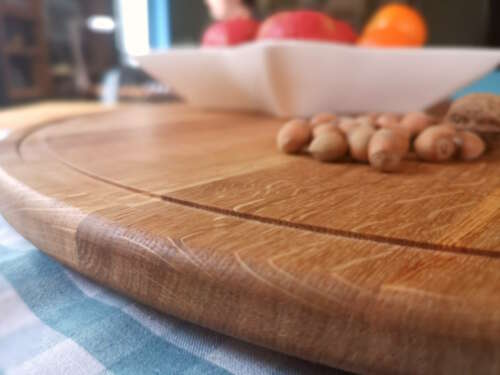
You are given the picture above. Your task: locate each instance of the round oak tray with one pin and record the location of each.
(197, 214)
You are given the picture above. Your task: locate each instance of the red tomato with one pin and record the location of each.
(305, 24)
(231, 32)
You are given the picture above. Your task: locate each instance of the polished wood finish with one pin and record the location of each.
(197, 214)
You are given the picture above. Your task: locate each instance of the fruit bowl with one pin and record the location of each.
(300, 78)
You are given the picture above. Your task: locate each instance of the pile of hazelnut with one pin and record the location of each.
(382, 140)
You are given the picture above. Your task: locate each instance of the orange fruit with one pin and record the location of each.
(385, 38)
(400, 19)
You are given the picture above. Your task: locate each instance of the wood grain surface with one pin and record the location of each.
(197, 214)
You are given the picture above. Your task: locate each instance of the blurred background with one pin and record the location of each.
(73, 49)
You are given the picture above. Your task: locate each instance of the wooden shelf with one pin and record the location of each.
(24, 93)
(21, 51)
(22, 42)
(22, 12)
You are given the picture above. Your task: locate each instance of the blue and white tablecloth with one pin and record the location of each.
(54, 321)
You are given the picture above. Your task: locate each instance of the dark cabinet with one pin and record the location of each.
(23, 53)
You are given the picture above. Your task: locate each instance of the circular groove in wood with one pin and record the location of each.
(309, 288)
(417, 245)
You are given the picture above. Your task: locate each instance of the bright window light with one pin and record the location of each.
(134, 29)
(101, 24)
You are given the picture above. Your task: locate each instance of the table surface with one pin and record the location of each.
(55, 321)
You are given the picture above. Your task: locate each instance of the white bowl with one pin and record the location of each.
(299, 78)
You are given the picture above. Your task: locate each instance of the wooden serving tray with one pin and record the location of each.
(197, 214)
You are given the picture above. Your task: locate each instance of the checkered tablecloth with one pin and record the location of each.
(54, 321)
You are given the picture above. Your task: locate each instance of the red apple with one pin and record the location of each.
(345, 32)
(231, 32)
(305, 24)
